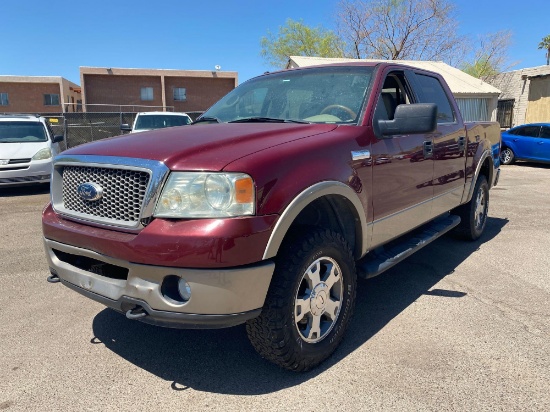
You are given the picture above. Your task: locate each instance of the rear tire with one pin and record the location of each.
(507, 156)
(473, 215)
(309, 303)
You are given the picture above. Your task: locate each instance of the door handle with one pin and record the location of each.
(541, 142)
(428, 149)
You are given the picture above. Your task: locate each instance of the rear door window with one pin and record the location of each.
(529, 131)
(431, 91)
(545, 132)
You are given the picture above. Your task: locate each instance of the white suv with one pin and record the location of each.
(156, 120)
(27, 145)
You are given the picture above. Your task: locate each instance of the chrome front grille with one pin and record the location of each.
(129, 189)
(124, 191)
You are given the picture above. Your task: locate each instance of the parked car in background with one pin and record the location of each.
(27, 146)
(526, 142)
(156, 120)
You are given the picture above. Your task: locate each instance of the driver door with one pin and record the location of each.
(402, 168)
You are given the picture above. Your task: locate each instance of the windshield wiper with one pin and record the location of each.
(206, 119)
(267, 120)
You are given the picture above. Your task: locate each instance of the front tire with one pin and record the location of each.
(507, 156)
(473, 215)
(309, 303)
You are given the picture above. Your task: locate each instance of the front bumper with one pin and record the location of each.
(37, 171)
(219, 297)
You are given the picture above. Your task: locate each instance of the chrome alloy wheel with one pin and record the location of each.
(480, 212)
(506, 156)
(318, 300)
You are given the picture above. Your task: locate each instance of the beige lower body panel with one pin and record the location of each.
(213, 291)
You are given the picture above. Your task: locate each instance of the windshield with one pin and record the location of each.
(316, 95)
(160, 121)
(22, 132)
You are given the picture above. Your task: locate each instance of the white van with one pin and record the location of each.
(27, 146)
(156, 120)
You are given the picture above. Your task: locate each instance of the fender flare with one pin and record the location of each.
(486, 154)
(301, 201)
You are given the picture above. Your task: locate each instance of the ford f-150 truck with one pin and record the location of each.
(269, 206)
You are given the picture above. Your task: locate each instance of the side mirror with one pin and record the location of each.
(410, 119)
(125, 127)
(58, 138)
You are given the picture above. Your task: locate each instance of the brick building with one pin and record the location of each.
(38, 94)
(114, 89)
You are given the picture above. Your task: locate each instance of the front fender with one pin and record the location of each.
(306, 197)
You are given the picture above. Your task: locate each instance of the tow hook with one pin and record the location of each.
(136, 313)
(53, 278)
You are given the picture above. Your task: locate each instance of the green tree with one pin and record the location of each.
(490, 55)
(297, 39)
(480, 68)
(545, 44)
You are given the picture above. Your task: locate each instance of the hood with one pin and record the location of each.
(23, 150)
(201, 146)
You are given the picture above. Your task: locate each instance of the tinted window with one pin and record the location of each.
(545, 132)
(530, 131)
(433, 92)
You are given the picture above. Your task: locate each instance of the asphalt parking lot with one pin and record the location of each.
(458, 326)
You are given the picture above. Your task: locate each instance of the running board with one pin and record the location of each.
(383, 258)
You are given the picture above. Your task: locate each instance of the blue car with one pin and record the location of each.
(526, 142)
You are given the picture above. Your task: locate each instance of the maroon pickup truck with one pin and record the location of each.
(269, 206)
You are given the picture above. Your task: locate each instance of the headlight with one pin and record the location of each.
(42, 154)
(208, 195)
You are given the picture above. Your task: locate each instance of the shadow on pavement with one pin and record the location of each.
(223, 361)
(28, 190)
(534, 165)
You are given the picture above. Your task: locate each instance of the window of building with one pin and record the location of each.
(474, 109)
(505, 111)
(146, 93)
(51, 100)
(4, 99)
(180, 94)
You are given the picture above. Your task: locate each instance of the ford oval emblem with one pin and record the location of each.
(90, 191)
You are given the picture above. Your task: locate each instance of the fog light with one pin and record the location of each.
(184, 289)
(175, 290)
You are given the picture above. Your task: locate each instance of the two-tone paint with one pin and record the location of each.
(370, 189)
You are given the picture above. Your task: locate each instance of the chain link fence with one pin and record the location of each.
(80, 128)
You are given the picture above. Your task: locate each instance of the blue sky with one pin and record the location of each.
(55, 37)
